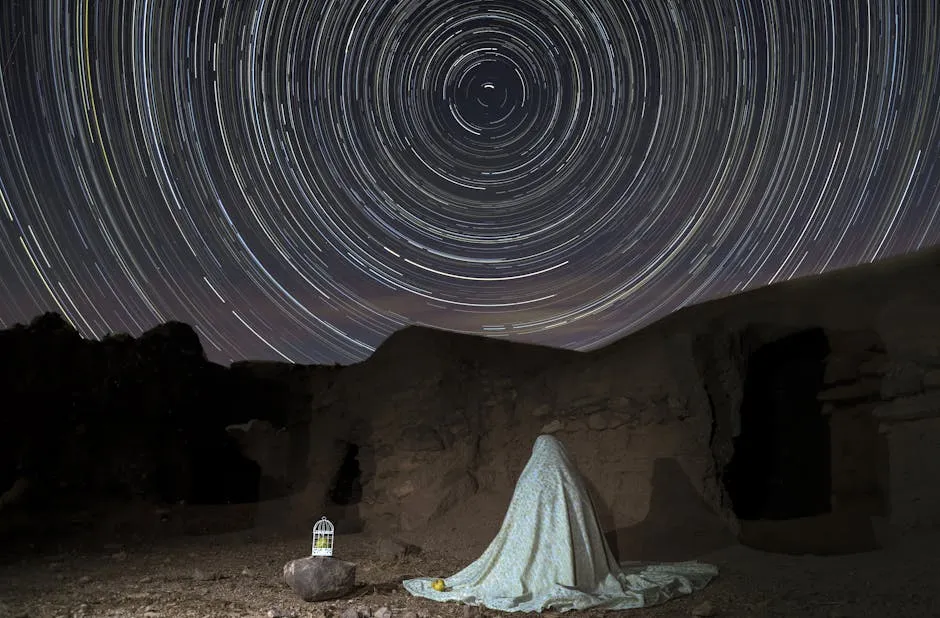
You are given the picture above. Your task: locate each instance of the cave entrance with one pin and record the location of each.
(346, 488)
(782, 465)
(220, 474)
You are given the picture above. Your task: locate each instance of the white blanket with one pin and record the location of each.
(550, 553)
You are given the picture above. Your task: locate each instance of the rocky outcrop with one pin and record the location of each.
(815, 401)
(852, 355)
(447, 438)
(121, 418)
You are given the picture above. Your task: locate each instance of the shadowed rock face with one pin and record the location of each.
(829, 383)
(702, 414)
(119, 418)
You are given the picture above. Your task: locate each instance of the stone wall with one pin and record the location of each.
(445, 422)
(914, 470)
(885, 415)
(909, 419)
(854, 386)
(454, 436)
(430, 442)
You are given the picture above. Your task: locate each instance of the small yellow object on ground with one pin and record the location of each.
(438, 584)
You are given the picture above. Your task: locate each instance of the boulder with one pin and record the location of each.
(320, 578)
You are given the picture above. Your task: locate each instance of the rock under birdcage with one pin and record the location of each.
(322, 538)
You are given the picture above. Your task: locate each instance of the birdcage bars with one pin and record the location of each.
(322, 538)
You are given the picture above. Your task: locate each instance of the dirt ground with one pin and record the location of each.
(238, 574)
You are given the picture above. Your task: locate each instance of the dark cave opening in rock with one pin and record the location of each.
(220, 474)
(782, 468)
(346, 488)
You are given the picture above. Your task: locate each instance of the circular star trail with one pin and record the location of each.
(299, 178)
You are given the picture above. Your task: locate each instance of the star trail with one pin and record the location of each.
(299, 178)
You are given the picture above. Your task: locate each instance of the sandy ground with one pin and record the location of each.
(239, 574)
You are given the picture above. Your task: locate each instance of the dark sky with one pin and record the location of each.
(299, 178)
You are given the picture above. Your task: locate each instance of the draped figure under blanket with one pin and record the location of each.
(550, 553)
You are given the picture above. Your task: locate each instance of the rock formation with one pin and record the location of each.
(120, 418)
(803, 416)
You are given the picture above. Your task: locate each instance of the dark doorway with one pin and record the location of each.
(347, 485)
(781, 467)
(220, 474)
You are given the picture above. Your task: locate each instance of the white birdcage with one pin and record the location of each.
(322, 538)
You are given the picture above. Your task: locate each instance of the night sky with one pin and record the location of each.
(299, 178)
